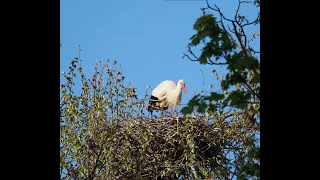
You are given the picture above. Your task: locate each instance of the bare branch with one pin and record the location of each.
(258, 52)
(253, 22)
(202, 80)
(230, 37)
(217, 9)
(237, 11)
(238, 36)
(245, 37)
(235, 23)
(230, 29)
(230, 114)
(239, 4)
(197, 59)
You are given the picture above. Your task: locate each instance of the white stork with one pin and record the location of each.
(166, 95)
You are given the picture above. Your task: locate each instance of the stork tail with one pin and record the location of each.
(152, 103)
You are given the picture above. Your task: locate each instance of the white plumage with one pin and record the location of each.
(167, 95)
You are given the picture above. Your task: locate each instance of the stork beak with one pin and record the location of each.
(184, 89)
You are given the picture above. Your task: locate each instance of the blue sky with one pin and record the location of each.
(147, 37)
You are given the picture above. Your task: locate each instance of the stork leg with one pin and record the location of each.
(161, 112)
(171, 112)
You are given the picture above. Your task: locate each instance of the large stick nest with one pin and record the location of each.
(154, 148)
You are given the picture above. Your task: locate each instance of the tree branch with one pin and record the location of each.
(197, 59)
(253, 22)
(230, 29)
(238, 36)
(245, 37)
(230, 114)
(235, 23)
(90, 177)
(251, 50)
(217, 9)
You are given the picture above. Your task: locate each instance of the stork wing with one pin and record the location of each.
(167, 84)
(159, 92)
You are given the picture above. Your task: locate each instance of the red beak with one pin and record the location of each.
(184, 89)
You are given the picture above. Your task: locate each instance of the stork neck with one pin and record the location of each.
(179, 89)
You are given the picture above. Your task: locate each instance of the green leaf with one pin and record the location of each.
(212, 108)
(193, 101)
(202, 107)
(216, 96)
(203, 59)
(224, 84)
(186, 110)
(195, 40)
(256, 78)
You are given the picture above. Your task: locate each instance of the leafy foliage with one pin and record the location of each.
(101, 104)
(240, 87)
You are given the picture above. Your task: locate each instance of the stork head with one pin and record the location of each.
(182, 85)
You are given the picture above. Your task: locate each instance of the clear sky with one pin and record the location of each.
(147, 37)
